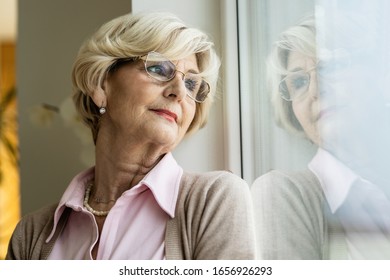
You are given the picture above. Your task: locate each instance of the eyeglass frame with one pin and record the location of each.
(336, 56)
(282, 91)
(142, 57)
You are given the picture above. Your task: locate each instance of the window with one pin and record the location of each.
(265, 145)
(321, 69)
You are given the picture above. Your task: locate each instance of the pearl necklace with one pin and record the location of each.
(89, 208)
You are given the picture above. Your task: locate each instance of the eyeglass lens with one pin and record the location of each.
(162, 69)
(330, 69)
(294, 85)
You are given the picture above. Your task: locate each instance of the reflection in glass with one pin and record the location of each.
(328, 80)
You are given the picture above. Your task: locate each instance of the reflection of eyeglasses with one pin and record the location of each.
(295, 85)
(331, 67)
(162, 69)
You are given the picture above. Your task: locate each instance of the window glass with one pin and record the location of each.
(316, 126)
(265, 145)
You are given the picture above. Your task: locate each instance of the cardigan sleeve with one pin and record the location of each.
(28, 239)
(216, 218)
(15, 246)
(289, 216)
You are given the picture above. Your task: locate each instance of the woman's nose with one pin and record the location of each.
(177, 87)
(314, 89)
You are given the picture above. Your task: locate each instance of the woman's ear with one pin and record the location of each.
(99, 96)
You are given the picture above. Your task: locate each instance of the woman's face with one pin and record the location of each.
(340, 109)
(353, 117)
(142, 108)
(306, 106)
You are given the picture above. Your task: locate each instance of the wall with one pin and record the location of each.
(49, 35)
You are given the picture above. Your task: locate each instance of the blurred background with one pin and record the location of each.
(9, 155)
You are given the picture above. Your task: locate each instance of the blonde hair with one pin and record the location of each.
(133, 35)
(298, 38)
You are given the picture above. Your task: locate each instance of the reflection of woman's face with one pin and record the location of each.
(306, 107)
(352, 117)
(340, 111)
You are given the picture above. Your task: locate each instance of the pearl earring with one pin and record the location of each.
(102, 110)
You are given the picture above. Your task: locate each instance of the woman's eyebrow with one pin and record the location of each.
(296, 69)
(190, 70)
(193, 71)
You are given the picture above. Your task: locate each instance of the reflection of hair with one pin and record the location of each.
(135, 35)
(298, 38)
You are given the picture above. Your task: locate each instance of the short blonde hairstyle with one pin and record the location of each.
(298, 38)
(134, 35)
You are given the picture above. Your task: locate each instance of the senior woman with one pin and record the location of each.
(324, 211)
(142, 82)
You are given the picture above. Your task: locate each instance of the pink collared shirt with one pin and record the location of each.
(135, 226)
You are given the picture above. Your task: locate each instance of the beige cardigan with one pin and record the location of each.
(293, 219)
(213, 220)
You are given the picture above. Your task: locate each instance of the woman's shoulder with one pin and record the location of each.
(30, 233)
(209, 205)
(212, 175)
(39, 217)
(302, 183)
(220, 179)
(280, 178)
(213, 186)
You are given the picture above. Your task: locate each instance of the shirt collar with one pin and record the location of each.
(163, 181)
(73, 196)
(336, 179)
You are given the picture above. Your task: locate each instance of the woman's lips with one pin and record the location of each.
(325, 113)
(330, 111)
(168, 115)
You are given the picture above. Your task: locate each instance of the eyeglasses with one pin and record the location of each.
(295, 85)
(162, 69)
(332, 66)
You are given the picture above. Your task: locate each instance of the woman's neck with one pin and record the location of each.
(121, 166)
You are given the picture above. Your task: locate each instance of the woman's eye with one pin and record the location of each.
(162, 71)
(299, 82)
(157, 69)
(191, 84)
